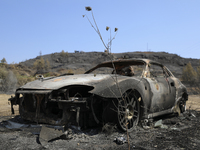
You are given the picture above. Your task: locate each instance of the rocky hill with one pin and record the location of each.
(81, 61)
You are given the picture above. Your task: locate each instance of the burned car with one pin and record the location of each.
(122, 92)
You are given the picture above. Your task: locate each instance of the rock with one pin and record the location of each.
(164, 126)
(146, 127)
(120, 140)
(159, 124)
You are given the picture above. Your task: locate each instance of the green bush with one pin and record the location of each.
(8, 80)
(39, 64)
(198, 72)
(3, 73)
(189, 74)
(3, 61)
(64, 54)
(47, 64)
(23, 80)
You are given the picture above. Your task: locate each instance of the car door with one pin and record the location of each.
(162, 87)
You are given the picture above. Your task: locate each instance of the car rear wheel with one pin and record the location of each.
(128, 111)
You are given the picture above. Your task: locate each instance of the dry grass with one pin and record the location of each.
(193, 102)
(5, 107)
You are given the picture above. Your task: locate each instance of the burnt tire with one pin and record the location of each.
(128, 111)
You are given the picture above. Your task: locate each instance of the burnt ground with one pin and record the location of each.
(171, 133)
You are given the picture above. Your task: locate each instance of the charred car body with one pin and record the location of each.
(121, 91)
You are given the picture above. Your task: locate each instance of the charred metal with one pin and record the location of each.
(133, 90)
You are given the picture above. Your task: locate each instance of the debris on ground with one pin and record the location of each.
(50, 133)
(159, 124)
(120, 140)
(15, 125)
(109, 128)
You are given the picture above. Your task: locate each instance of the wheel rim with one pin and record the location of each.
(128, 112)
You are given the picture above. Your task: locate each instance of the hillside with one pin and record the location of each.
(13, 76)
(82, 61)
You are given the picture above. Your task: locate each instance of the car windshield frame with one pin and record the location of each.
(119, 64)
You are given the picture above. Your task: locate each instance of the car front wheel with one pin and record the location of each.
(128, 111)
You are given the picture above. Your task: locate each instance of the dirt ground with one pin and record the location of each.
(166, 132)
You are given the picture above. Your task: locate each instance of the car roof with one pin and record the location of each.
(124, 62)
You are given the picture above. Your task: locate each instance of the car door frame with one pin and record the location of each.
(163, 89)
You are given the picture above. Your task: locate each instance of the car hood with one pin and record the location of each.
(52, 83)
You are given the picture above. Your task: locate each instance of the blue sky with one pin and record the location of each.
(30, 26)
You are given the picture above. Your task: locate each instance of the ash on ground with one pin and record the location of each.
(167, 132)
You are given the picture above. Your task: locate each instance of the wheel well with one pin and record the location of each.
(185, 96)
(182, 102)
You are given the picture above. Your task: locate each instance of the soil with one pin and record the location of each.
(172, 133)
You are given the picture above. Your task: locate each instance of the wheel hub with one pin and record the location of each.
(129, 112)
